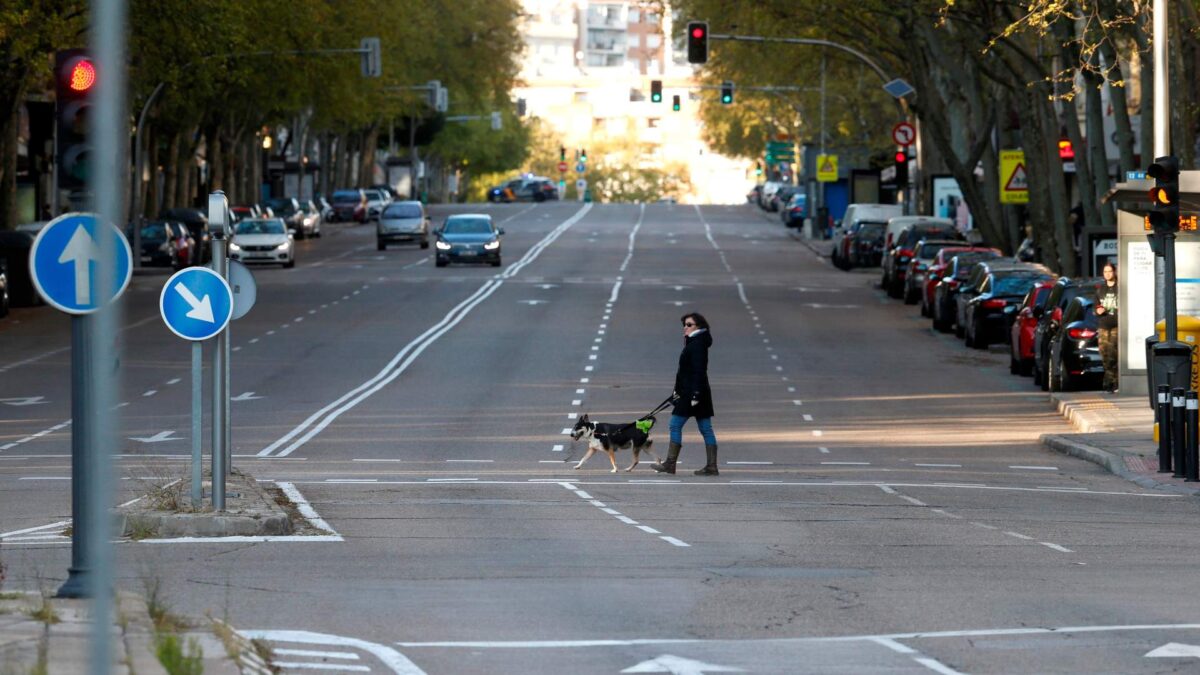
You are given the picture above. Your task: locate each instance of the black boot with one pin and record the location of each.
(710, 468)
(668, 465)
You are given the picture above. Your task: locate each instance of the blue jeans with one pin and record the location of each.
(705, 424)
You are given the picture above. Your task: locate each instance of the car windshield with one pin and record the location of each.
(1072, 292)
(281, 206)
(260, 227)
(402, 211)
(870, 230)
(468, 226)
(346, 196)
(930, 250)
(1014, 285)
(154, 232)
(967, 260)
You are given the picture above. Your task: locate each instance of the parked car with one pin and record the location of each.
(161, 244)
(4, 302)
(988, 312)
(769, 189)
(14, 251)
(898, 223)
(1050, 318)
(377, 201)
(263, 240)
(242, 212)
(197, 224)
(796, 210)
(946, 290)
(924, 253)
(1074, 360)
(843, 238)
(941, 264)
(754, 193)
(349, 205)
(782, 196)
(310, 219)
(468, 237)
(288, 210)
(1020, 352)
(896, 259)
(402, 221)
(865, 246)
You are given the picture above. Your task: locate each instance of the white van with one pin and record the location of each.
(881, 213)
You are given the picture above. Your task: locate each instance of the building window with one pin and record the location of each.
(635, 15)
(653, 41)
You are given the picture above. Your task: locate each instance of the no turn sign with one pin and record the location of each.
(904, 134)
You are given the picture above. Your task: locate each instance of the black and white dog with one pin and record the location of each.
(613, 437)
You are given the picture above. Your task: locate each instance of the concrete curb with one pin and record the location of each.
(250, 511)
(1111, 461)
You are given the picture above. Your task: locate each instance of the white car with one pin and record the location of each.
(377, 201)
(400, 222)
(263, 240)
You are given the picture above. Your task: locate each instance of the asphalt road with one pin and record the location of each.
(883, 503)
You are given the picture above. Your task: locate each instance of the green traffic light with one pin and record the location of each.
(726, 100)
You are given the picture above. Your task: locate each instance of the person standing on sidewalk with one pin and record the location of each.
(694, 395)
(1106, 309)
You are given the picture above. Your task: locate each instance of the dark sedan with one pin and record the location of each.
(1050, 318)
(865, 247)
(161, 244)
(989, 314)
(945, 304)
(469, 237)
(1074, 360)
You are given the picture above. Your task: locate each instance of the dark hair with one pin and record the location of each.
(698, 318)
(1112, 265)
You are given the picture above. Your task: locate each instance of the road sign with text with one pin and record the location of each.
(78, 265)
(1014, 182)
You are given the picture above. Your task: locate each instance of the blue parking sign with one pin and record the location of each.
(79, 265)
(196, 303)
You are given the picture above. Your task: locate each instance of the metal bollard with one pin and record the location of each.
(1162, 415)
(1178, 442)
(1193, 437)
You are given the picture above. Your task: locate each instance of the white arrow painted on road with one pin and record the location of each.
(201, 309)
(81, 250)
(679, 666)
(156, 438)
(532, 302)
(28, 400)
(247, 396)
(1174, 650)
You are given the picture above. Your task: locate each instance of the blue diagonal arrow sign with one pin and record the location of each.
(196, 303)
(78, 265)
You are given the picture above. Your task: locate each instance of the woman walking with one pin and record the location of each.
(693, 396)
(1106, 309)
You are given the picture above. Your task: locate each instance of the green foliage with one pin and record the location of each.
(177, 658)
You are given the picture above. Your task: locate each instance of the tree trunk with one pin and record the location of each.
(215, 159)
(369, 143)
(1097, 152)
(326, 162)
(1120, 106)
(171, 164)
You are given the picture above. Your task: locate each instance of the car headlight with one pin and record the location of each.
(282, 247)
(234, 248)
(492, 245)
(443, 246)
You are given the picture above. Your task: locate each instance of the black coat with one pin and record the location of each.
(691, 380)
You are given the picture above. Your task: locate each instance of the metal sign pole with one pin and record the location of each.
(78, 582)
(227, 416)
(197, 414)
(1165, 283)
(218, 388)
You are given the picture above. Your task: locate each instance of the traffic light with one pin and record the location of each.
(758, 168)
(74, 83)
(656, 91)
(726, 92)
(697, 41)
(675, 103)
(902, 167)
(562, 153)
(583, 155)
(1164, 195)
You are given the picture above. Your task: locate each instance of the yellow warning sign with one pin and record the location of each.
(1014, 181)
(827, 171)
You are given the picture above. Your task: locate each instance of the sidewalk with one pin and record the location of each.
(1116, 432)
(41, 634)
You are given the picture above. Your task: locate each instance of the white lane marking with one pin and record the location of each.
(174, 381)
(648, 529)
(633, 235)
(779, 368)
(808, 418)
(476, 461)
(589, 368)
(610, 511)
(306, 509)
(1056, 547)
(742, 294)
(774, 357)
(151, 392)
(936, 666)
(581, 391)
(849, 463)
(1034, 468)
(567, 431)
(984, 526)
(792, 390)
(450, 480)
(894, 646)
(349, 656)
(1018, 535)
(627, 520)
(321, 419)
(824, 451)
(591, 357)
(551, 461)
(572, 416)
(270, 332)
(912, 500)
(597, 504)
(376, 460)
(35, 436)
(888, 490)
(749, 463)
(675, 542)
(557, 448)
(947, 514)
(584, 380)
(582, 494)
(399, 664)
(615, 291)
(947, 466)
(14, 533)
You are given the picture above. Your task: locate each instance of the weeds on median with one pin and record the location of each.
(176, 657)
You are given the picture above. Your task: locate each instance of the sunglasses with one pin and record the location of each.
(689, 325)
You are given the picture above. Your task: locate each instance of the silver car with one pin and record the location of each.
(402, 222)
(263, 240)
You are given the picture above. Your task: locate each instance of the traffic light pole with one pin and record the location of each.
(1162, 147)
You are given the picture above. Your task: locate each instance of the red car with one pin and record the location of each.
(937, 268)
(1020, 353)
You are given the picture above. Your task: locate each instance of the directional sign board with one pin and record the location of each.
(196, 303)
(580, 167)
(827, 168)
(1014, 182)
(70, 262)
(904, 134)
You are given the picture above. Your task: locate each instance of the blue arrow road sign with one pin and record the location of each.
(196, 303)
(580, 167)
(68, 258)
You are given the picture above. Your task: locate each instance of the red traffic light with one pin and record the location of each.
(1066, 151)
(82, 76)
(698, 32)
(901, 157)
